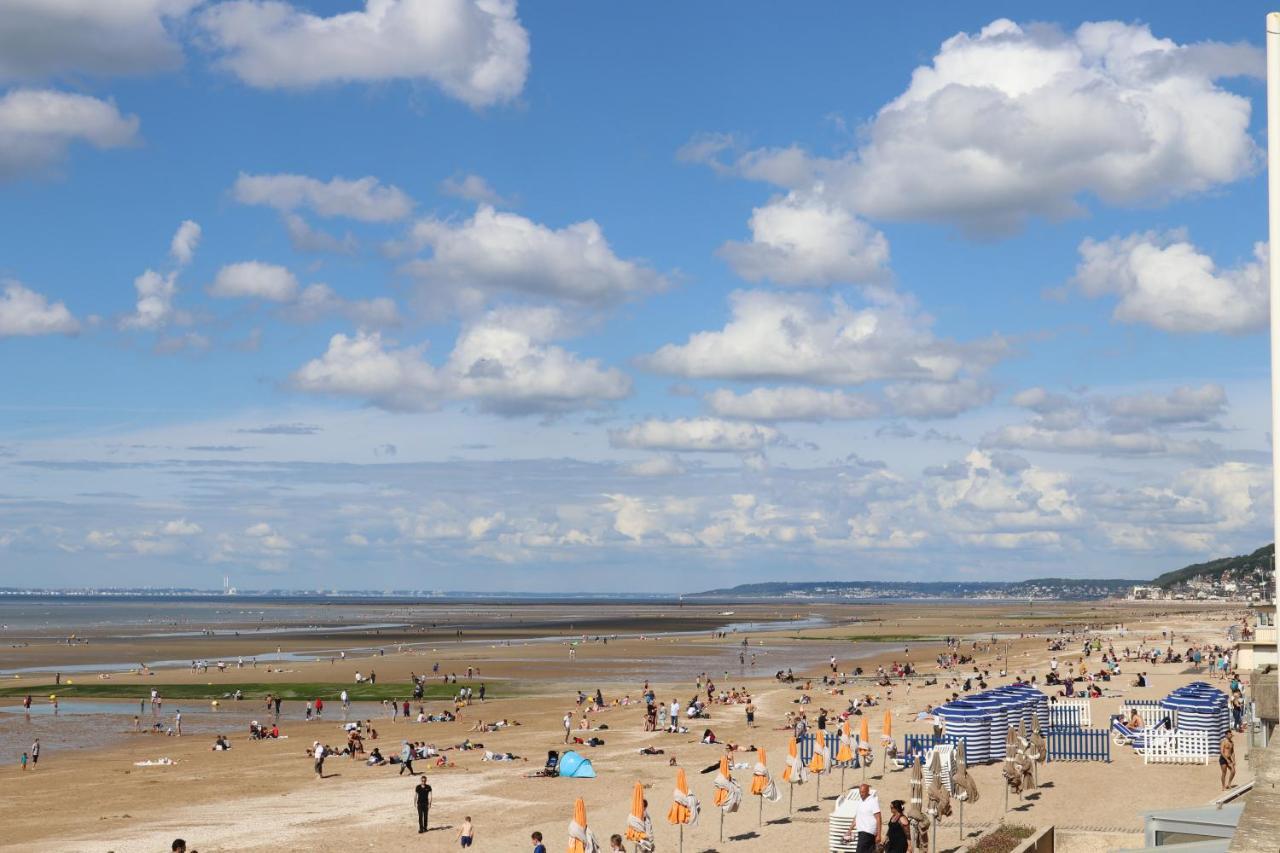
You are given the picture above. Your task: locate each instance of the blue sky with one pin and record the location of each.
(452, 295)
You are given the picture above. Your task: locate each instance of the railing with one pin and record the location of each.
(806, 744)
(913, 745)
(1177, 747)
(1078, 744)
(1072, 713)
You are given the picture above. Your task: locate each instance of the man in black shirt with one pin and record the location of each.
(422, 797)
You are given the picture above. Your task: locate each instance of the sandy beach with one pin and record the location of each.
(263, 795)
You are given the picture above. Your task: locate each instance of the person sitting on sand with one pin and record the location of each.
(1135, 719)
(375, 758)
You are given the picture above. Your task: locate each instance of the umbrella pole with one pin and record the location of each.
(722, 824)
(818, 798)
(682, 838)
(962, 821)
(761, 820)
(841, 777)
(791, 800)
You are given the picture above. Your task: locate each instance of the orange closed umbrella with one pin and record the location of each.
(637, 822)
(818, 762)
(760, 776)
(581, 839)
(794, 772)
(722, 794)
(864, 737)
(845, 755)
(887, 731)
(684, 806)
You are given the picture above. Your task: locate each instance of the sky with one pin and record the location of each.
(450, 295)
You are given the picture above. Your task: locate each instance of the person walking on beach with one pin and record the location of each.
(177, 722)
(467, 833)
(346, 704)
(406, 759)
(422, 799)
(25, 757)
(1227, 760)
(319, 757)
(568, 725)
(35, 754)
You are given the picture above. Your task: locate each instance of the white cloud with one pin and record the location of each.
(790, 403)
(937, 399)
(475, 50)
(38, 125)
(1016, 122)
(365, 199)
(473, 188)
(774, 336)
(801, 240)
(319, 300)
(695, 435)
(185, 240)
(1086, 439)
(1186, 404)
(180, 527)
(255, 280)
(304, 238)
(41, 38)
(656, 466)
(1163, 280)
(504, 362)
(155, 301)
(495, 251)
(24, 312)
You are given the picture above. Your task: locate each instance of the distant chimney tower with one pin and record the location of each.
(226, 584)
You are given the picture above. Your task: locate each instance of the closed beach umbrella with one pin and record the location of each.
(886, 730)
(795, 772)
(819, 761)
(684, 806)
(762, 781)
(581, 838)
(637, 829)
(962, 784)
(724, 784)
(845, 753)
(939, 799)
(864, 740)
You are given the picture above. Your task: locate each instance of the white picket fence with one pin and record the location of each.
(1178, 747)
(1070, 712)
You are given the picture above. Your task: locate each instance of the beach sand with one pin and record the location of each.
(263, 795)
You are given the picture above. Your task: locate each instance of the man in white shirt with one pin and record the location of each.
(568, 725)
(675, 715)
(866, 821)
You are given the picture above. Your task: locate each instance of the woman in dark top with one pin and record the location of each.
(896, 838)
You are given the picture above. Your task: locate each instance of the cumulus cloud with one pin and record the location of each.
(317, 301)
(473, 188)
(773, 336)
(1163, 280)
(255, 280)
(1124, 424)
(1015, 122)
(505, 252)
(365, 199)
(26, 313)
(474, 50)
(185, 240)
(37, 126)
(790, 403)
(799, 240)
(154, 308)
(504, 362)
(695, 435)
(42, 38)
(937, 399)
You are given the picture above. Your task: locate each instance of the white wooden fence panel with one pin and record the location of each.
(1178, 747)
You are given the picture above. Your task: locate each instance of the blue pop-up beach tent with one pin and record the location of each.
(575, 766)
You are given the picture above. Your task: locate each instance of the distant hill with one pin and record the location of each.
(1061, 588)
(1259, 562)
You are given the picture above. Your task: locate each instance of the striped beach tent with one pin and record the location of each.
(1199, 707)
(969, 721)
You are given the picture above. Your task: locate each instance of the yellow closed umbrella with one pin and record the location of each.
(864, 745)
(581, 838)
(819, 760)
(722, 794)
(760, 777)
(887, 731)
(638, 828)
(684, 806)
(845, 754)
